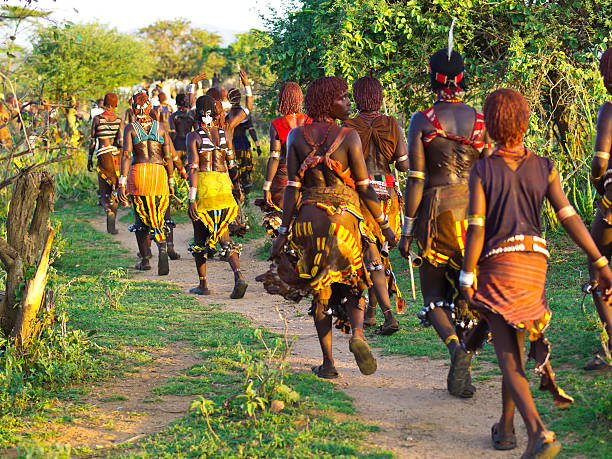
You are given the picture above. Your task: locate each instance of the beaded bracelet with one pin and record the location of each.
(266, 185)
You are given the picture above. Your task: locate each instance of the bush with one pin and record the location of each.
(56, 358)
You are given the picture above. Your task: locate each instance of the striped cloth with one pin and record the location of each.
(147, 179)
(151, 210)
(513, 284)
(106, 129)
(108, 149)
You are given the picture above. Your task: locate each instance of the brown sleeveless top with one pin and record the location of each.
(514, 198)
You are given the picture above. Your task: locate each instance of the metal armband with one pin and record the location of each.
(476, 220)
(408, 226)
(416, 175)
(565, 213)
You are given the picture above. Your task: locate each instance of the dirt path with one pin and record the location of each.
(406, 397)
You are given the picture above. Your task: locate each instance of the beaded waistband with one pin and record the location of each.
(520, 243)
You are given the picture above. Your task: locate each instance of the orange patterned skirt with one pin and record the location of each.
(147, 179)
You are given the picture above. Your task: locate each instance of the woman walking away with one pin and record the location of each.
(507, 191)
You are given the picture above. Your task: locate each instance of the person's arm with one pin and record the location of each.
(603, 145)
(474, 239)
(192, 88)
(118, 142)
(232, 167)
(402, 162)
(92, 143)
(177, 162)
(254, 136)
(415, 183)
(167, 150)
(248, 91)
(573, 225)
(272, 167)
(126, 158)
(290, 196)
(172, 127)
(366, 192)
(193, 161)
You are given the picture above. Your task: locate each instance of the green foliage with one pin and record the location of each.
(251, 401)
(546, 49)
(246, 51)
(181, 50)
(158, 316)
(86, 60)
(113, 284)
(57, 357)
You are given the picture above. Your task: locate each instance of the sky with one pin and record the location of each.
(225, 17)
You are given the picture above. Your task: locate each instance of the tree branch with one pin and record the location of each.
(11, 180)
(7, 253)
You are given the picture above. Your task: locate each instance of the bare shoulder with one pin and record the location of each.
(605, 111)
(419, 121)
(192, 136)
(351, 137)
(295, 134)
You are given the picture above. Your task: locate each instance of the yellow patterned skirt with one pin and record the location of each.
(216, 205)
(214, 191)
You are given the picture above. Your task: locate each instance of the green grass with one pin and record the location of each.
(155, 316)
(585, 427)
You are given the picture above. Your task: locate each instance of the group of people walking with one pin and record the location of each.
(331, 201)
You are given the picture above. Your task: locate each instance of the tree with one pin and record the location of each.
(86, 59)
(246, 51)
(182, 51)
(547, 49)
(25, 250)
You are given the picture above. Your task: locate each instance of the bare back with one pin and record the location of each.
(147, 150)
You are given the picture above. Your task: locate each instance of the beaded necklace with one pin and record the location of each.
(447, 98)
(309, 141)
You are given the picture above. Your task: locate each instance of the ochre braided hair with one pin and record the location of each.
(141, 105)
(321, 94)
(605, 66)
(110, 100)
(368, 94)
(290, 98)
(215, 93)
(506, 115)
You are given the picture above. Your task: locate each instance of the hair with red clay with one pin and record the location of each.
(162, 97)
(111, 100)
(321, 94)
(506, 115)
(141, 98)
(605, 66)
(215, 93)
(368, 94)
(290, 98)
